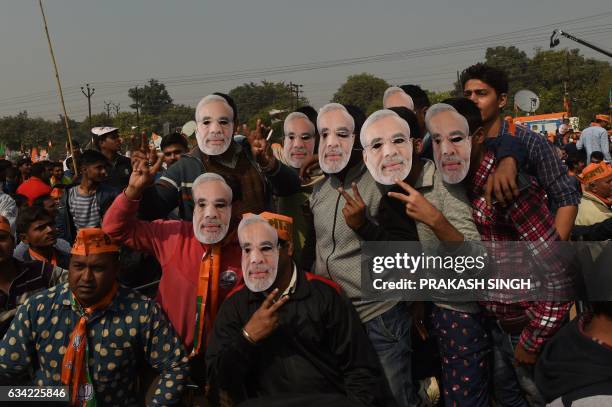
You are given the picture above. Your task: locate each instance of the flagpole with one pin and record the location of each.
(59, 86)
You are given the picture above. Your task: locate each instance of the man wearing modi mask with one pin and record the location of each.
(92, 335)
(287, 337)
(452, 143)
(248, 165)
(200, 259)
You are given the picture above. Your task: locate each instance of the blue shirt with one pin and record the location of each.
(132, 329)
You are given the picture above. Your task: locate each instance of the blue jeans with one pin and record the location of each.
(390, 336)
(512, 385)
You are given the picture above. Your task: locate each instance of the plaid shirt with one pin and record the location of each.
(527, 219)
(547, 167)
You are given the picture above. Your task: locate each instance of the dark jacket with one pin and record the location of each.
(65, 223)
(174, 187)
(573, 366)
(119, 173)
(320, 347)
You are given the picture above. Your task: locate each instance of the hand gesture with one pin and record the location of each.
(260, 148)
(307, 169)
(265, 320)
(143, 173)
(354, 210)
(502, 182)
(417, 206)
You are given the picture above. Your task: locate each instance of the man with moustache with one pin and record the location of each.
(249, 166)
(289, 338)
(338, 246)
(93, 336)
(200, 261)
(451, 148)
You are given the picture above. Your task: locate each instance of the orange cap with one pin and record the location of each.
(93, 241)
(4, 224)
(593, 172)
(283, 224)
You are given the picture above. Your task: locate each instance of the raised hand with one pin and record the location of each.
(260, 148)
(266, 319)
(417, 206)
(144, 169)
(354, 210)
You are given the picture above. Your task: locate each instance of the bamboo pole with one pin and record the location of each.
(59, 86)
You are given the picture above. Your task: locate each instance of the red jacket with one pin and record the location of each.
(178, 251)
(33, 188)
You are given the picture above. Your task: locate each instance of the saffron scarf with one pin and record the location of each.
(208, 281)
(74, 365)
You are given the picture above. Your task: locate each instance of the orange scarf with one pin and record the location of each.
(208, 280)
(36, 256)
(74, 367)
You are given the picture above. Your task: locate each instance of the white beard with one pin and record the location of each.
(390, 177)
(296, 163)
(337, 167)
(213, 150)
(207, 237)
(454, 177)
(259, 285)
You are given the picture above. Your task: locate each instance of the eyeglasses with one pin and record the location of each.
(396, 141)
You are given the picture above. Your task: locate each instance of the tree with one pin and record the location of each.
(362, 90)
(256, 100)
(152, 98)
(437, 97)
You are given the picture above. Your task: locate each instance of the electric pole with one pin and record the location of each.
(116, 106)
(107, 107)
(137, 106)
(295, 90)
(88, 95)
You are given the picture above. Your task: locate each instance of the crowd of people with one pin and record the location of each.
(228, 271)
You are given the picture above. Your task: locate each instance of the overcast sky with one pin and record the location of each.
(130, 41)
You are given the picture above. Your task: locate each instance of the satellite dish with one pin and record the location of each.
(526, 100)
(189, 128)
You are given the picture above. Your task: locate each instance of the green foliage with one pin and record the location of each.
(256, 100)
(362, 90)
(548, 72)
(153, 98)
(437, 97)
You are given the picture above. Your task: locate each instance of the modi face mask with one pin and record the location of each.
(452, 144)
(336, 132)
(215, 125)
(387, 147)
(260, 254)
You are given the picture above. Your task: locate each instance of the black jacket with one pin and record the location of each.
(573, 366)
(320, 347)
(65, 223)
(174, 188)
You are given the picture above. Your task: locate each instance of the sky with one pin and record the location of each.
(115, 45)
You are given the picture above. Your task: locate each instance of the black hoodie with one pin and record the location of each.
(573, 364)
